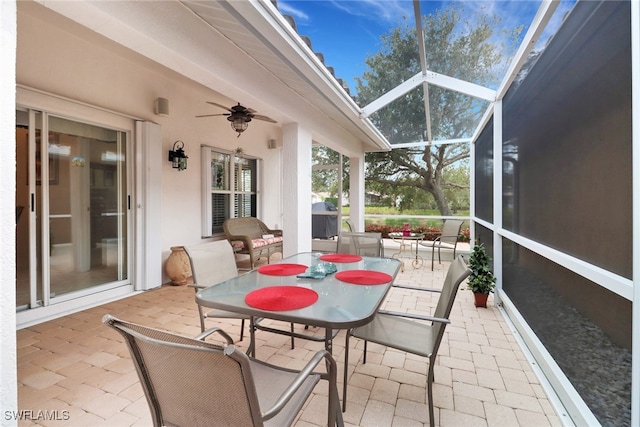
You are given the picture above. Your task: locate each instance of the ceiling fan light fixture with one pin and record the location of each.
(239, 124)
(239, 116)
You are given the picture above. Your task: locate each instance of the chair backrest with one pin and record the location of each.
(189, 382)
(451, 231)
(365, 244)
(212, 262)
(458, 271)
(244, 226)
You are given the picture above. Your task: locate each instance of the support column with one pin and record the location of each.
(635, 140)
(356, 192)
(148, 206)
(497, 196)
(8, 357)
(296, 189)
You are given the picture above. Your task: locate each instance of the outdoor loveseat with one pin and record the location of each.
(252, 237)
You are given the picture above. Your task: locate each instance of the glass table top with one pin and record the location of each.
(340, 305)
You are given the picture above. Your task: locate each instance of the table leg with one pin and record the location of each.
(251, 351)
(328, 340)
(417, 261)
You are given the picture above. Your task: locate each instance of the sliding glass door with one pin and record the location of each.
(71, 209)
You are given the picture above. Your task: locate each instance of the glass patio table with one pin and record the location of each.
(339, 304)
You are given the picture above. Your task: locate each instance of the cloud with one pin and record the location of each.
(390, 11)
(288, 9)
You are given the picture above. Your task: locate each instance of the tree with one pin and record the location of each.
(464, 49)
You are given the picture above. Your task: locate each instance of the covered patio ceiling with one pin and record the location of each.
(252, 54)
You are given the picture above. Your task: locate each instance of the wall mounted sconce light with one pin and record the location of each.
(177, 157)
(161, 107)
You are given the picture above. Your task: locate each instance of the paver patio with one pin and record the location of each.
(79, 371)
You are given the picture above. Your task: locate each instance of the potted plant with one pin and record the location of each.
(481, 281)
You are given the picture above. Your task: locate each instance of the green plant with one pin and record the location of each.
(481, 280)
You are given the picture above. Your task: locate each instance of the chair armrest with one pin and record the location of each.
(245, 239)
(208, 332)
(299, 380)
(277, 233)
(267, 230)
(416, 288)
(415, 316)
(434, 241)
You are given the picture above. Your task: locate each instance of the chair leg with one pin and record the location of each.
(251, 351)
(430, 393)
(433, 253)
(241, 329)
(201, 314)
(292, 339)
(364, 355)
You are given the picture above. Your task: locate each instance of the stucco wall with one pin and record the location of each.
(8, 380)
(57, 56)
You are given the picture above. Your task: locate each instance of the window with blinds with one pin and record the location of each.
(230, 188)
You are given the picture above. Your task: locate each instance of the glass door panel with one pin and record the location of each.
(87, 206)
(71, 209)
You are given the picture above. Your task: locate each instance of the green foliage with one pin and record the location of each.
(332, 200)
(481, 280)
(430, 231)
(326, 180)
(464, 47)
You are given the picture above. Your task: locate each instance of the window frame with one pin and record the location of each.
(231, 190)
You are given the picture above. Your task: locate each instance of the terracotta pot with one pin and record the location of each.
(177, 266)
(480, 299)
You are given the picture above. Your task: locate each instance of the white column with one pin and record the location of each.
(635, 126)
(148, 206)
(8, 369)
(296, 189)
(497, 195)
(356, 192)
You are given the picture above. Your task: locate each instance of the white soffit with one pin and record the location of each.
(236, 48)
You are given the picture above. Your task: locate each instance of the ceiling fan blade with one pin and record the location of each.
(212, 115)
(218, 105)
(264, 118)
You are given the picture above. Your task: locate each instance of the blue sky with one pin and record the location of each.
(346, 32)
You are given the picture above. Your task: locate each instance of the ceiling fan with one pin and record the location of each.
(239, 116)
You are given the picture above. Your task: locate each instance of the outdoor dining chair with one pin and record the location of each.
(193, 382)
(413, 333)
(364, 244)
(212, 263)
(447, 240)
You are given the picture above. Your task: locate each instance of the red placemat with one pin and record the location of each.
(281, 298)
(282, 269)
(341, 258)
(363, 277)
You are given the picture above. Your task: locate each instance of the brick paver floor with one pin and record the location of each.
(80, 371)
